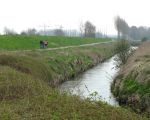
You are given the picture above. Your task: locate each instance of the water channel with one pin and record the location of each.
(98, 79)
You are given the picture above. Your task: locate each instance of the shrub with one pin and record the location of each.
(144, 39)
(122, 49)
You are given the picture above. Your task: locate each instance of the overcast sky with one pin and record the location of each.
(23, 14)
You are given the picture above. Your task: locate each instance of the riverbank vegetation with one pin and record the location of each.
(132, 85)
(30, 98)
(29, 80)
(58, 65)
(122, 49)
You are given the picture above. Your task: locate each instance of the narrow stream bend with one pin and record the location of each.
(97, 79)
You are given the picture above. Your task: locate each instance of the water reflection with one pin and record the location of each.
(96, 79)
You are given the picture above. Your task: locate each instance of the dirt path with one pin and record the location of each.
(65, 47)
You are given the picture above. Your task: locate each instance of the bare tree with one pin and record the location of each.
(122, 28)
(31, 31)
(8, 31)
(89, 29)
(59, 32)
(134, 32)
(117, 25)
(81, 29)
(139, 33)
(23, 33)
(125, 30)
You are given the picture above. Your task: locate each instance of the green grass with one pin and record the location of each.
(56, 65)
(25, 97)
(19, 42)
(135, 95)
(132, 85)
(27, 80)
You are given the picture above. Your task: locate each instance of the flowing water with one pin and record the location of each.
(96, 80)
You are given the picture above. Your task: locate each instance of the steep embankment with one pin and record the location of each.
(26, 79)
(132, 85)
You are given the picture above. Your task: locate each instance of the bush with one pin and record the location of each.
(122, 49)
(144, 39)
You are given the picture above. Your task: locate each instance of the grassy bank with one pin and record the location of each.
(19, 42)
(32, 99)
(132, 85)
(56, 66)
(28, 83)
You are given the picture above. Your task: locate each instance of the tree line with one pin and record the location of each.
(133, 32)
(85, 30)
(88, 29)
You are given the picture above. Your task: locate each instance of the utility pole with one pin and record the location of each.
(44, 28)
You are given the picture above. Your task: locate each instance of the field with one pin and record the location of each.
(56, 65)
(18, 42)
(132, 85)
(29, 80)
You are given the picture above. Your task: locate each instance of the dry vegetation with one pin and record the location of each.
(132, 85)
(26, 81)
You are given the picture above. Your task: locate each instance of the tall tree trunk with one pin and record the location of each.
(118, 35)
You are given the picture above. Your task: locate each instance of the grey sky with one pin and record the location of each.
(23, 14)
